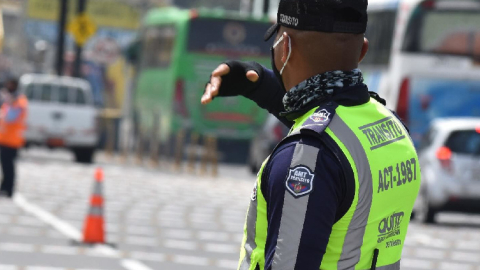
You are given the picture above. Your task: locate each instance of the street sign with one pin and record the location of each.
(82, 28)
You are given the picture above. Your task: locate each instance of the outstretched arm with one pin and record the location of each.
(248, 79)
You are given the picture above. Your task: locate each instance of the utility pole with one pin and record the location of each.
(266, 7)
(81, 6)
(61, 36)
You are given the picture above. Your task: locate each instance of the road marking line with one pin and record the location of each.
(73, 233)
(228, 264)
(16, 247)
(177, 234)
(417, 263)
(191, 260)
(134, 265)
(221, 248)
(42, 268)
(8, 267)
(141, 241)
(213, 236)
(24, 231)
(63, 250)
(148, 256)
(61, 226)
(5, 219)
(187, 245)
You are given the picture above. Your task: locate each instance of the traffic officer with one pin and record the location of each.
(338, 191)
(13, 114)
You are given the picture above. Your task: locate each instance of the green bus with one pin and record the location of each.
(179, 50)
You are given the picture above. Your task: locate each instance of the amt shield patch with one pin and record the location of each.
(299, 181)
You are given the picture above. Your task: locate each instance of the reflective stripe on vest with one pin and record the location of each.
(386, 186)
(295, 210)
(354, 237)
(255, 231)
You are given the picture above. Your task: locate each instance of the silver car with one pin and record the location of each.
(450, 161)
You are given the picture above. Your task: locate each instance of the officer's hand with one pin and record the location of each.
(234, 83)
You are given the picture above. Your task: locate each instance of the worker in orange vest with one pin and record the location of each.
(13, 114)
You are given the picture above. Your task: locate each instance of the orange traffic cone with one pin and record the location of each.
(93, 230)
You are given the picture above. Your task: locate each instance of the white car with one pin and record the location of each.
(61, 114)
(450, 161)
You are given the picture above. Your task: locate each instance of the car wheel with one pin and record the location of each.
(425, 213)
(84, 155)
(430, 215)
(253, 168)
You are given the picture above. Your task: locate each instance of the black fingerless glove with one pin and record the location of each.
(235, 83)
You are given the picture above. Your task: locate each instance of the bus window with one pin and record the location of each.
(30, 91)
(380, 29)
(452, 32)
(63, 94)
(228, 37)
(80, 98)
(48, 94)
(158, 44)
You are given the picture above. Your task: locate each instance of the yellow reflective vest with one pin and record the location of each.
(387, 176)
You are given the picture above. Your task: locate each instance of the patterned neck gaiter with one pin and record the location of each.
(319, 88)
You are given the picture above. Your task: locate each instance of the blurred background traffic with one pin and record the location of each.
(146, 63)
(124, 78)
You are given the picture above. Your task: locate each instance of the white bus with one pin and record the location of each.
(424, 58)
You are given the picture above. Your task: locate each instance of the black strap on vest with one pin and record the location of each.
(375, 258)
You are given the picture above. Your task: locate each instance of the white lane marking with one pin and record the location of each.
(5, 220)
(228, 264)
(16, 247)
(23, 231)
(63, 227)
(179, 234)
(213, 236)
(73, 233)
(148, 256)
(107, 250)
(237, 237)
(140, 230)
(221, 248)
(63, 250)
(465, 256)
(29, 221)
(42, 268)
(451, 265)
(192, 260)
(187, 245)
(8, 267)
(134, 265)
(141, 241)
(414, 263)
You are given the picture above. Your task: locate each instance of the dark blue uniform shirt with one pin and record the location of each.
(334, 186)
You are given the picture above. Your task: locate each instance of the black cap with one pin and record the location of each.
(331, 16)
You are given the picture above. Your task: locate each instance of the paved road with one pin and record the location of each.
(159, 219)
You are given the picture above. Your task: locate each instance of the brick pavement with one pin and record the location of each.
(168, 220)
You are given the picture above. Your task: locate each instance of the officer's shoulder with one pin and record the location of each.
(316, 121)
(287, 146)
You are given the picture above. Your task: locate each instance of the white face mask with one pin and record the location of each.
(289, 51)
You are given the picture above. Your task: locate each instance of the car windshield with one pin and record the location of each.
(464, 142)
